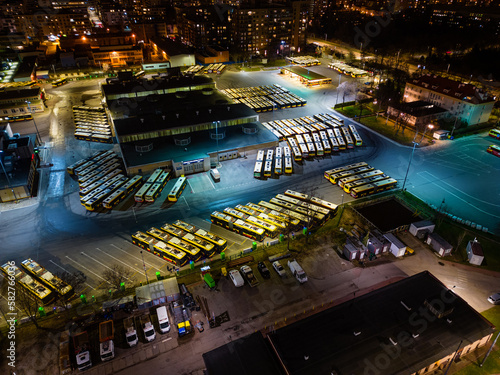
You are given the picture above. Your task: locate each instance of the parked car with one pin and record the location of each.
(494, 299)
(235, 276)
(263, 270)
(279, 268)
(247, 273)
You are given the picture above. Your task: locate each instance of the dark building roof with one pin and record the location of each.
(419, 108)
(375, 333)
(171, 47)
(476, 248)
(454, 89)
(142, 85)
(19, 93)
(248, 355)
(440, 240)
(423, 224)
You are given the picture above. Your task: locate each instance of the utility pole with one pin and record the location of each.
(144, 265)
(489, 350)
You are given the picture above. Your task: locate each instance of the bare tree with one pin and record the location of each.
(28, 303)
(115, 276)
(74, 280)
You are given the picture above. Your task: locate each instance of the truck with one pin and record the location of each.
(64, 361)
(182, 318)
(106, 335)
(247, 273)
(297, 271)
(82, 352)
(148, 328)
(130, 332)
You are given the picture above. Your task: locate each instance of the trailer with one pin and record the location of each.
(297, 271)
(64, 360)
(181, 318)
(106, 336)
(82, 353)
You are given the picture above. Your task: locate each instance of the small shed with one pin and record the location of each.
(475, 252)
(353, 251)
(398, 248)
(439, 244)
(385, 244)
(375, 246)
(419, 228)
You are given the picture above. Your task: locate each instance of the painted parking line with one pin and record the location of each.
(102, 264)
(65, 270)
(85, 268)
(185, 201)
(456, 196)
(139, 259)
(118, 260)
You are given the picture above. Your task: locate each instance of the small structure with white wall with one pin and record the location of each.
(439, 244)
(475, 252)
(354, 251)
(398, 248)
(420, 228)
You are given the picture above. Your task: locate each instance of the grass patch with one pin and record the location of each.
(379, 125)
(458, 236)
(353, 110)
(277, 62)
(492, 364)
(250, 69)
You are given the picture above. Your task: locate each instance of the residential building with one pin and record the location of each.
(464, 101)
(115, 56)
(169, 50)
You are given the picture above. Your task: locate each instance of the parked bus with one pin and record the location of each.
(373, 188)
(494, 150)
(131, 184)
(330, 172)
(222, 220)
(288, 166)
(348, 138)
(45, 277)
(28, 283)
(59, 82)
(207, 249)
(304, 150)
(154, 176)
(177, 190)
(161, 249)
(357, 139)
(260, 155)
(153, 192)
(248, 230)
(139, 196)
(364, 181)
(334, 178)
(71, 169)
(139, 74)
(275, 215)
(219, 242)
(268, 168)
(325, 204)
(269, 155)
(270, 229)
(495, 133)
(278, 166)
(257, 170)
(340, 138)
(286, 152)
(358, 176)
(116, 197)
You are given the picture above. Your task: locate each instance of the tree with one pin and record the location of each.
(28, 303)
(75, 281)
(115, 276)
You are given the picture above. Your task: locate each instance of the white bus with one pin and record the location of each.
(268, 168)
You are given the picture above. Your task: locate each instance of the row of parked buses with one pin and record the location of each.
(193, 69)
(153, 186)
(265, 98)
(101, 180)
(303, 60)
(180, 242)
(360, 179)
(37, 281)
(91, 124)
(348, 70)
(273, 161)
(269, 219)
(315, 136)
(214, 68)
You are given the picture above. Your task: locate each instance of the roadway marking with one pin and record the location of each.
(210, 180)
(102, 264)
(189, 208)
(468, 195)
(117, 259)
(85, 268)
(456, 196)
(149, 264)
(65, 270)
(192, 190)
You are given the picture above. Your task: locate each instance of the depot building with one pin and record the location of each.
(181, 123)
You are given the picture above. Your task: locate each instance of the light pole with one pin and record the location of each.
(430, 126)
(217, 139)
(340, 76)
(39, 139)
(415, 144)
(144, 265)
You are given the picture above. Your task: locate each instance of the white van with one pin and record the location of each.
(163, 319)
(236, 278)
(215, 174)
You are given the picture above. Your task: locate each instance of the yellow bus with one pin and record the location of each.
(59, 82)
(358, 176)
(363, 181)
(270, 229)
(220, 244)
(207, 248)
(45, 277)
(495, 133)
(192, 252)
(373, 188)
(357, 138)
(177, 190)
(139, 196)
(334, 178)
(32, 286)
(154, 176)
(288, 166)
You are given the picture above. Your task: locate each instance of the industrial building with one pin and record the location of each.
(414, 326)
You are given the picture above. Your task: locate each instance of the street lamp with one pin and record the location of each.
(430, 127)
(39, 139)
(144, 265)
(415, 144)
(340, 76)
